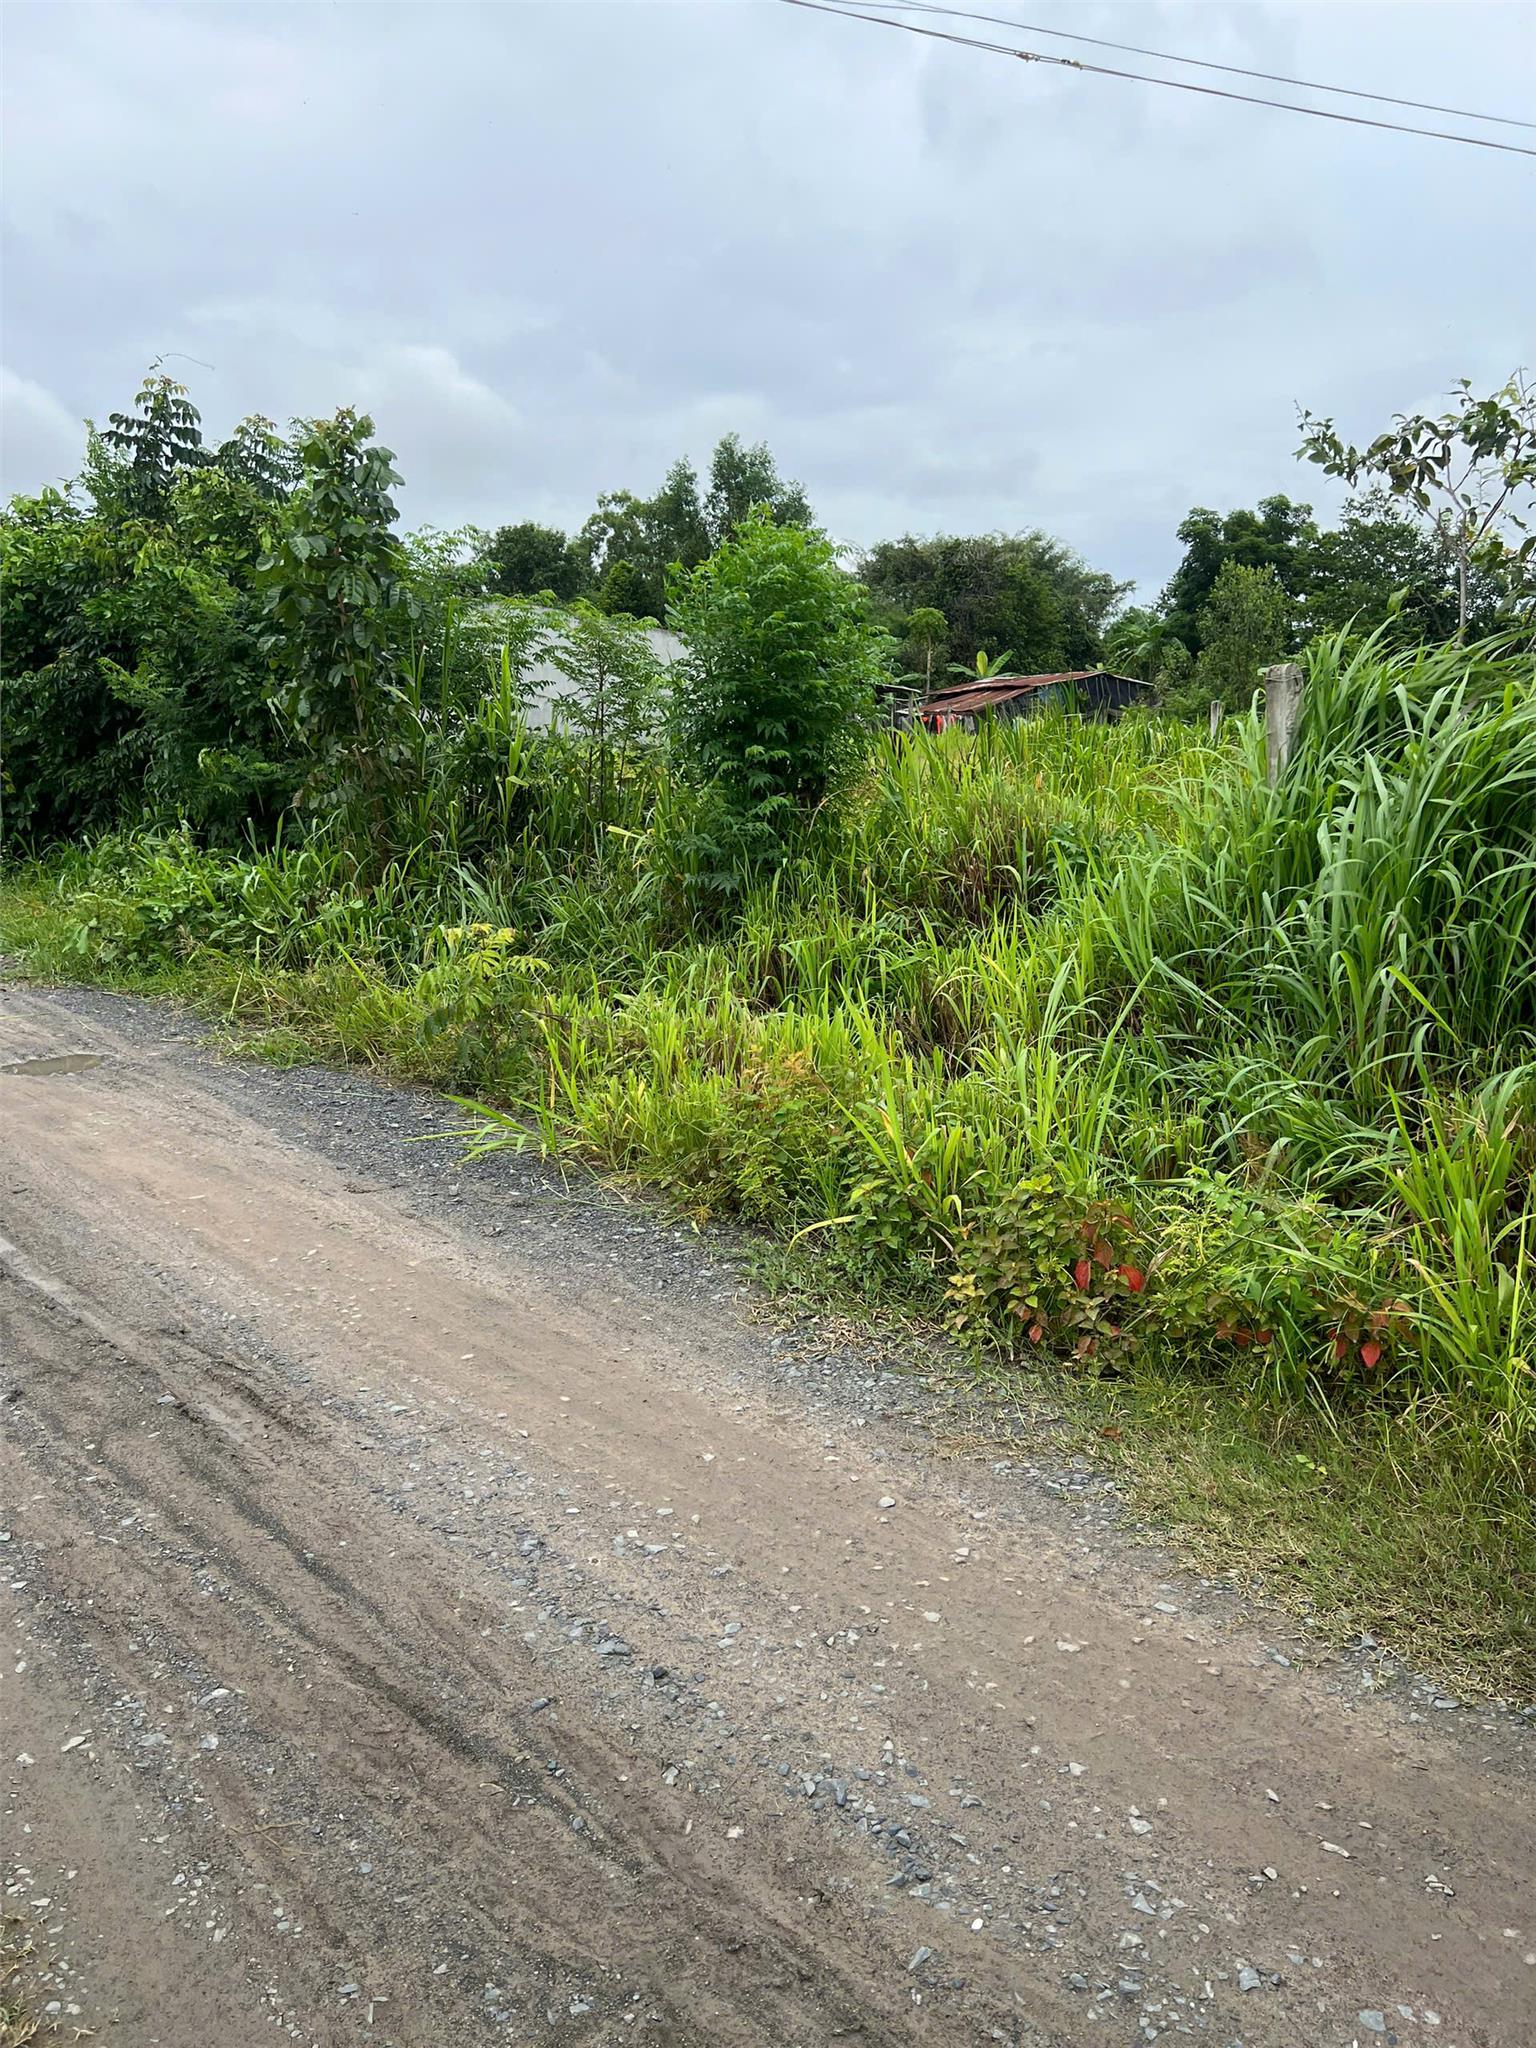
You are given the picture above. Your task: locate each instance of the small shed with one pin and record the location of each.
(1094, 692)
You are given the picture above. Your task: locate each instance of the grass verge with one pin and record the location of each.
(1399, 1524)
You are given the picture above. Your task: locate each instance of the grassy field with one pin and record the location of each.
(1203, 1110)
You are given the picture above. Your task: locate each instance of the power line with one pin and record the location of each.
(1201, 63)
(1217, 92)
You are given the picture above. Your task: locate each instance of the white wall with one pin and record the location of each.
(547, 684)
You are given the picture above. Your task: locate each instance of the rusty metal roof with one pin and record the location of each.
(957, 699)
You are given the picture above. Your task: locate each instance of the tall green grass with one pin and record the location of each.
(1378, 906)
(1084, 1036)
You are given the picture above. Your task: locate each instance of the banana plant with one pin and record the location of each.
(985, 667)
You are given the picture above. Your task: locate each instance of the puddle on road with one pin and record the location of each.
(53, 1063)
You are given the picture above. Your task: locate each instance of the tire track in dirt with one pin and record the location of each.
(565, 1649)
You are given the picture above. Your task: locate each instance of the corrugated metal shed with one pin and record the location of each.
(1007, 695)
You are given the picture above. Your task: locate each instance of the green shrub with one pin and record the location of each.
(775, 688)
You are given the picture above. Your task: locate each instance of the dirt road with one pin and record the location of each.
(435, 1614)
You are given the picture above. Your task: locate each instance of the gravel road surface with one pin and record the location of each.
(436, 1609)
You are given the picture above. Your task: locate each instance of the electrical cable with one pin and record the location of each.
(1217, 92)
(1201, 63)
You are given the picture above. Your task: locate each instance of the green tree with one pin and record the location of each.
(1278, 536)
(257, 456)
(129, 638)
(676, 520)
(1379, 567)
(629, 544)
(627, 592)
(1171, 678)
(925, 639)
(1024, 591)
(610, 704)
(772, 702)
(620, 530)
(1245, 625)
(143, 451)
(339, 607)
(1469, 473)
(741, 477)
(1037, 622)
(69, 763)
(1138, 643)
(527, 559)
(132, 676)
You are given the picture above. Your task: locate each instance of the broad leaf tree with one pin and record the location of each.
(627, 592)
(1023, 591)
(339, 607)
(528, 559)
(1245, 625)
(1470, 473)
(1277, 535)
(742, 477)
(129, 642)
(1382, 568)
(675, 517)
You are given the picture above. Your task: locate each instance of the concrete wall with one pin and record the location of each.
(547, 684)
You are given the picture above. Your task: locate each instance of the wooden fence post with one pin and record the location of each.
(1218, 712)
(1282, 707)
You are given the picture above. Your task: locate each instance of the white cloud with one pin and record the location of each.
(457, 439)
(41, 441)
(551, 247)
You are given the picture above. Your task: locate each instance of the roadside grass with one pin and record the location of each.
(1206, 1105)
(21, 2021)
(1402, 1525)
(1396, 1527)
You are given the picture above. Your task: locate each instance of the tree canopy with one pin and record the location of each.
(130, 622)
(527, 559)
(624, 549)
(770, 703)
(1468, 474)
(1276, 535)
(1412, 571)
(1026, 592)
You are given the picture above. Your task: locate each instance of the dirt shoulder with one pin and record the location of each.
(435, 1613)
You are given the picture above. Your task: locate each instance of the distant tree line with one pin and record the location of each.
(940, 600)
(622, 553)
(1439, 539)
(189, 620)
(1255, 584)
(1435, 540)
(217, 634)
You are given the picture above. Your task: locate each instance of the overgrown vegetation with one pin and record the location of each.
(1214, 1100)
(1437, 541)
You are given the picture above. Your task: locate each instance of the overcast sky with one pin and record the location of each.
(552, 246)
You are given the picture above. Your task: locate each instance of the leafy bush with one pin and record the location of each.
(776, 686)
(132, 676)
